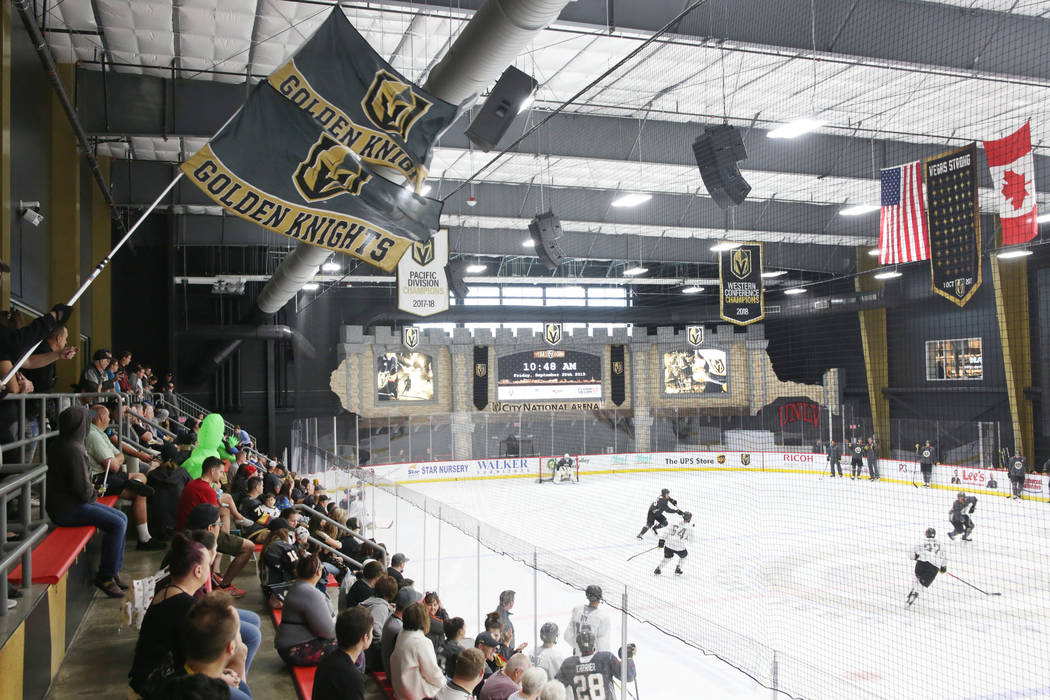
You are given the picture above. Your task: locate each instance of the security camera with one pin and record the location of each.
(30, 212)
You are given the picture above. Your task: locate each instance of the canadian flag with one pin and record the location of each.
(1013, 180)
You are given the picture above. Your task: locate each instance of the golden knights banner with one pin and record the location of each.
(273, 165)
(481, 377)
(954, 224)
(741, 299)
(618, 375)
(351, 92)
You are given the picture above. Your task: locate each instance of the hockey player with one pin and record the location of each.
(563, 469)
(590, 673)
(548, 657)
(655, 518)
(1017, 468)
(960, 517)
(856, 458)
(590, 617)
(675, 542)
(835, 457)
(929, 559)
(927, 456)
(871, 451)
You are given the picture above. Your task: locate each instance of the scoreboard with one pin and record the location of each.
(540, 375)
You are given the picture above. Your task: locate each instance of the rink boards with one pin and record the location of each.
(891, 470)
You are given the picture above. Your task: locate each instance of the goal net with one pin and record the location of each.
(548, 468)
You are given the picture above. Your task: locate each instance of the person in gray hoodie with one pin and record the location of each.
(71, 500)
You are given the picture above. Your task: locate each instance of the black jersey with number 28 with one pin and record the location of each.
(591, 677)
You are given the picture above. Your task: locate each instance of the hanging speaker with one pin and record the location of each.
(454, 272)
(545, 230)
(717, 152)
(511, 94)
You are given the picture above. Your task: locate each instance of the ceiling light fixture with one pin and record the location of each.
(795, 290)
(724, 245)
(692, 290)
(1017, 253)
(858, 210)
(795, 128)
(331, 267)
(874, 251)
(631, 200)
(528, 243)
(774, 273)
(887, 275)
(636, 270)
(477, 267)
(311, 287)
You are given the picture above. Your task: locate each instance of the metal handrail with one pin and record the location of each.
(62, 399)
(333, 550)
(152, 424)
(32, 531)
(359, 538)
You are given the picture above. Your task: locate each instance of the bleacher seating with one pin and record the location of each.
(53, 557)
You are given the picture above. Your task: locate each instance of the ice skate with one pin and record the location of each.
(912, 596)
(657, 571)
(678, 570)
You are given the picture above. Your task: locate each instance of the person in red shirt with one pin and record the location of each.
(201, 491)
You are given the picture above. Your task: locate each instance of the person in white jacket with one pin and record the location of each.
(414, 671)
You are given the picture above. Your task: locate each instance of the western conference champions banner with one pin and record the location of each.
(422, 288)
(740, 296)
(954, 224)
(296, 158)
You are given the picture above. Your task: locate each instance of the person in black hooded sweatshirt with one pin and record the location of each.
(71, 497)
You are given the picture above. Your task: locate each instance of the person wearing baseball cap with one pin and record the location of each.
(488, 645)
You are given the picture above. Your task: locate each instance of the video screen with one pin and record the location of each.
(404, 376)
(959, 359)
(545, 375)
(696, 372)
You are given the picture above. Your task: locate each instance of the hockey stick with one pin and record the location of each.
(645, 552)
(970, 584)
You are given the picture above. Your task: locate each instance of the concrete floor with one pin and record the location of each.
(97, 663)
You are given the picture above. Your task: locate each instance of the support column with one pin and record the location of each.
(5, 150)
(1010, 282)
(876, 364)
(101, 242)
(65, 219)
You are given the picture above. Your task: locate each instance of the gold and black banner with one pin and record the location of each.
(954, 224)
(481, 377)
(741, 299)
(617, 376)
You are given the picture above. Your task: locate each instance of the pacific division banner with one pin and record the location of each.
(954, 224)
(741, 299)
(422, 288)
(359, 100)
(273, 165)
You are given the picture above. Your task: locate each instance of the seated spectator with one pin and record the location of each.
(200, 491)
(552, 690)
(94, 380)
(193, 687)
(507, 681)
(414, 672)
(380, 604)
(284, 496)
(213, 649)
(160, 652)
(167, 482)
(338, 677)
(548, 657)
(71, 497)
(531, 683)
(455, 631)
(362, 588)
(468, 672)
(438, 615)
(397, 568)
(489, 646)
(494, 627)
(277, 564)
(307, 630)
(392, 626)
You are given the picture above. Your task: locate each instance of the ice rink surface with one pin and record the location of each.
(815, 569)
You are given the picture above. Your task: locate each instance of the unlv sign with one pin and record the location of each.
(799, 411)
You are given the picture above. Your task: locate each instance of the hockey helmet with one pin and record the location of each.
(567, 455)
(930, 533)
(665, 492)
(961, 494)
(549, 633)
(585, 641)
(593, 593)
(687, 516)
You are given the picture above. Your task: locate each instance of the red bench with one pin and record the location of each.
(384, 684)
(53, 557)
(304, 681)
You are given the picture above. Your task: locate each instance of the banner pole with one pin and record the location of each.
(96, 272)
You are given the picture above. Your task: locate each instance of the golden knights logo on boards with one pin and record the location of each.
(329, 170)
(480, 369)
(423, 253)
(745, 459)
(410, 337)
(694, 334)
(392, 105)
(552, 333)
(740, 263)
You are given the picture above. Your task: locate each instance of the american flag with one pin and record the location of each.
(902, 229)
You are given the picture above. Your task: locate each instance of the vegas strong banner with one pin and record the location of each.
(741, 299)
(422, 288)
